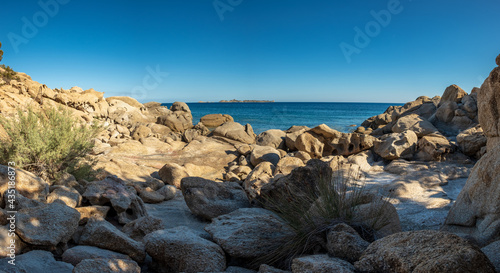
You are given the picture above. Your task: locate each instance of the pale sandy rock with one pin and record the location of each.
(291, 136)
(77, 254)
(177, 121)
(172, 174)
(326, 132)
(92, 212)
(434, 147)
(68, 196)
(302, 156)
(423, 251)
(27, 184)
(102, 234)
(264, 154)
(209, 199)
(107, 266)
(396, 145)
(180, 249)
(311, 144)
(168, 192)
(47, 225)
(241, 172)
(446, 111)
(364, 160)
(261, 175)
(321, 263)
(453, 93)
(128, 100)
(286, 165)
(150, 196)
(6, 245)
(236, 131)
(273, 138)
(159, 130)
(349, 144)
(345, 243)
(249, 232)
(141, 227)
(123, 113)
(141, 131)
(215, 120)
(415, 123)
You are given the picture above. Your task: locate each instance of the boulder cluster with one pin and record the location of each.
(219, 173)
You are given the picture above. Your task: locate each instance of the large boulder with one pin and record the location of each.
(77, 254)
(107, 266)
(36, 261)
(472, 141)
(287, 164)
(236, 131)
(249, 232)
(345, 243)
(423, 251)
(453, 93)
(321, 263)
(27, 184)
(210, 199)
(215, 120)
(102, 234)
(292, 134)
(260, 176)
(172, 174)
(179, 119)
(349, 144)
(414, 123)
(181, 250)
(69, 196)
(396, 145)
(488, 101)
(310, 143)
(141, 227)
(47, 225)
(264, 153)
(122, 198)
(434, 147)
(273, 138)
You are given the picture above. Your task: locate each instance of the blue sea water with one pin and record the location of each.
(282, 115)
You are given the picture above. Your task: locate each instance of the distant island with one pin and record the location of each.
(244, 101)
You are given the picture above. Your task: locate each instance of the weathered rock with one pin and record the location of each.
(364, 160)
(128, 100)
(264, 268)
(345, 243)
(125, 114)
(287, 164)
(107, 266)
(488, 99)
(36, 261)
(210, 199)
(172, 174)
(6, 246)
(150, 196)
(47, 225)
(141, 131)
(434, 147)
(273, 138)
(181, 250)
(236, 131)
(348, 144)
(446, 111)
(92, 212)
(321, 264)
(215, 120)
(102, 234)
(123, 199)
(249, 232)
(302, 156)
(141, 227)
(236, 269)
(491, 251)
(241, 172)
(453, 93)
(260, 176)
(168, 192)
(423, 251)
(476, 210)
(264, 153)
(310, 143)
(77, 254)
(27, 184)
(292, 134)
(414, 123)
(178, 121)
(396, 145)
(471, 141)
(68, 196)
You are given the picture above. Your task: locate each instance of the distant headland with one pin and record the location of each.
(244, 101)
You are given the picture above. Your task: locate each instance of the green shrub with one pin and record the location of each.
(9, 73)
(47, 142)
(311, 211)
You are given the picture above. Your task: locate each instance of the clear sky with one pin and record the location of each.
(283, 50)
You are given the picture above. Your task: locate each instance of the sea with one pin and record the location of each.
(342, 116)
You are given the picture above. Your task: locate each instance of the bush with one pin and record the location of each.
(9, 73)
(312, 210)
(47, 142)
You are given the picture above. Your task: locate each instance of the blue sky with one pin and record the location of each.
(283, 50)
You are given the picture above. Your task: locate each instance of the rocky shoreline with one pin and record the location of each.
(174, 196)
